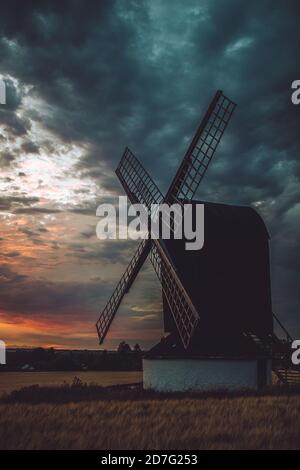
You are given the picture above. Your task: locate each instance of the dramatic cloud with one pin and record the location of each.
(84, 80)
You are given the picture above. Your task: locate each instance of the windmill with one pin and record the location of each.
(219, 336)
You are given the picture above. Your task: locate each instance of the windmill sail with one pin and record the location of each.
(123, 286)
(201, 150)
(185, 314)
(140, 188)
(138, 184)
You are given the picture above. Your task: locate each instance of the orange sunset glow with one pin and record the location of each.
(54, 271)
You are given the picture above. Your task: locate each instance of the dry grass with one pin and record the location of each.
(254, 422)
(92, 417)
(14, 380)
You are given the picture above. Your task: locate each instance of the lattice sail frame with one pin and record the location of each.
(123, 286)
(138, 184)
(140, 188)
(184, 312)
(201, 150)
(132, 175)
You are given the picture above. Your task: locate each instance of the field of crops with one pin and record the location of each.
(212, 423)
(14, 380)
(78, 416)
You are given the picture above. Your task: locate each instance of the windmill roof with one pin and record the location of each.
(236, 214)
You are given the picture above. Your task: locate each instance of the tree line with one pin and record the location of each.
(50, 359)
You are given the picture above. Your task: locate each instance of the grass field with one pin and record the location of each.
(84, 417)
(14, 380)
(229, 423)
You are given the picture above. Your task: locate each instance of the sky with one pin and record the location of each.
(85, 79)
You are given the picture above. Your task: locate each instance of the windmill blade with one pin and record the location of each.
(140, 187)
(108, 313)
(138, 184)
(185, 314)
(201, 149)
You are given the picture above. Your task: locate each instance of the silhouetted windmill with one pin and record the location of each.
(217, 301)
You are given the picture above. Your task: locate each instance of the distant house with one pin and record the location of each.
(27, 367)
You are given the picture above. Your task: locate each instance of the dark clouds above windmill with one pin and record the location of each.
(84, 80)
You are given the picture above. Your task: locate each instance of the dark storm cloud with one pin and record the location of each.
(108, 251)
(7, 275)
(27, 231)
(34, 235)
(6, 158)
(109, 90)
(84, 210)
(29, 147)
(9, 202)
(22, 295)
(36, 210)
(13, 123)
(11, 254)
(88, 233)
(142, 73)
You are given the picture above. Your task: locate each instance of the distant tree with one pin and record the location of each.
(124, 348)
(39, 354)
(137, 348)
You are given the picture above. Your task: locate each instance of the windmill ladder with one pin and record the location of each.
(280, 353)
